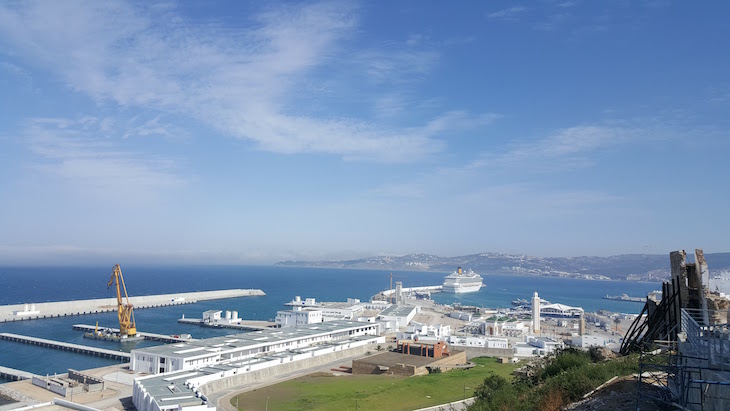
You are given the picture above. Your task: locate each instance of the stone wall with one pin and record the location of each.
(472, 352)
(371, 365)
(271, 372)
(366, 367)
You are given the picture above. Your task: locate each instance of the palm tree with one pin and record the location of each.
(617, 322)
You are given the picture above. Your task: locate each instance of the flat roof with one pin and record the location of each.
(233, 342)
(169, 389)
(398, 311)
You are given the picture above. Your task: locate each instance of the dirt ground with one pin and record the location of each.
(620, 395)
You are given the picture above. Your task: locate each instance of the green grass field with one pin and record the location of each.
(370, 392)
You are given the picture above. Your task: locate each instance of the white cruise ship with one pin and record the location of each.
(462, 282)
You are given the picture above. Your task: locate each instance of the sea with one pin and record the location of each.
(281, 284)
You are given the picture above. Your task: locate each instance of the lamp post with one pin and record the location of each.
(465, 388)
(267, 403)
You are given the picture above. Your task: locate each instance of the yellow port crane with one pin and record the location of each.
(127, 327)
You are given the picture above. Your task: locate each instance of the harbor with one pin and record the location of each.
(169, 322)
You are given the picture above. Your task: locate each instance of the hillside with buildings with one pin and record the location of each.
(653, 267)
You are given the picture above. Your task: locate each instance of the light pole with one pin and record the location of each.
(267, 403)
(465, 388)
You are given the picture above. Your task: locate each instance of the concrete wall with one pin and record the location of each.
(271, 372)
(92, 383)
(456, 358)
(365, 367)
(472, 352)
(370, 365)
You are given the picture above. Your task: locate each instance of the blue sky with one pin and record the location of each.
(252, 132)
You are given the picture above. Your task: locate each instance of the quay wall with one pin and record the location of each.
(93, 306)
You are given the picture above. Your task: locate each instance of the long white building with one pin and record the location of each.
(194, 354)
(178, 371)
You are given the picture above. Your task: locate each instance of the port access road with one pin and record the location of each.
(39, 310)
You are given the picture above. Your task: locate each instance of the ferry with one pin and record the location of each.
(625, 297)
(460, 282)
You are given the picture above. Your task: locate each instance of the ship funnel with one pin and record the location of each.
(459, 269)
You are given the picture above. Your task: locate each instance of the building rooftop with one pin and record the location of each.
(233, 342)
(397, 311)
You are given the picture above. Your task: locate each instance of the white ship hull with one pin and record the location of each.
(460, 289)
(459, 283)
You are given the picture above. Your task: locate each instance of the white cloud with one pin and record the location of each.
(242, 82)
(506, 13)
(80, 153)
(397, 65)
(566, 148)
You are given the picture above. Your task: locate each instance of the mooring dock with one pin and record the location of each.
(16, 375)
(82, 349)
(245, 325)
(147, 336)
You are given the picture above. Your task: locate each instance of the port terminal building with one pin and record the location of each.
(194, 354)
(180, 371)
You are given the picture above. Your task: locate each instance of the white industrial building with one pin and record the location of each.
(333, 311)
(478, 341)
(560, 310)
(216, 317)
(587, 340)
(198, 353)
(298, 316)
(504, 326)
(179, 370)
(423, 332)
(399, 315)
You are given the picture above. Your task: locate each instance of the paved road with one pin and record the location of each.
(451, 406)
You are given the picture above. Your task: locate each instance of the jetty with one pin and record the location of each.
(625, 297)
(147, 336)
(244, 325)
(60, 345)
(16, 375)
(38, 310)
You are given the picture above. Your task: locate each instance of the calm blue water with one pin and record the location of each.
(281, 284)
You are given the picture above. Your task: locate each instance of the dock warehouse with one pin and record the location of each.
(191, 355)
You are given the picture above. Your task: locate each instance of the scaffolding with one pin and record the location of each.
(693, 372)
(684, 342)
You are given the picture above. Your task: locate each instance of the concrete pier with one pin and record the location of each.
(16, 375)
(82, 349)
(246, 325)
(147, 336)
(20, 312)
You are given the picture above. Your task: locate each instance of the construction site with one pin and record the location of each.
(684, 341)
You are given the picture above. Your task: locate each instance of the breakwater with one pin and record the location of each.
(34, 311)
(82, 349)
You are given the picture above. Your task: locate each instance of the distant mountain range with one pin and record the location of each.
(654, 267)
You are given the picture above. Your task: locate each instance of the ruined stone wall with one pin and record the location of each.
(364, 367)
